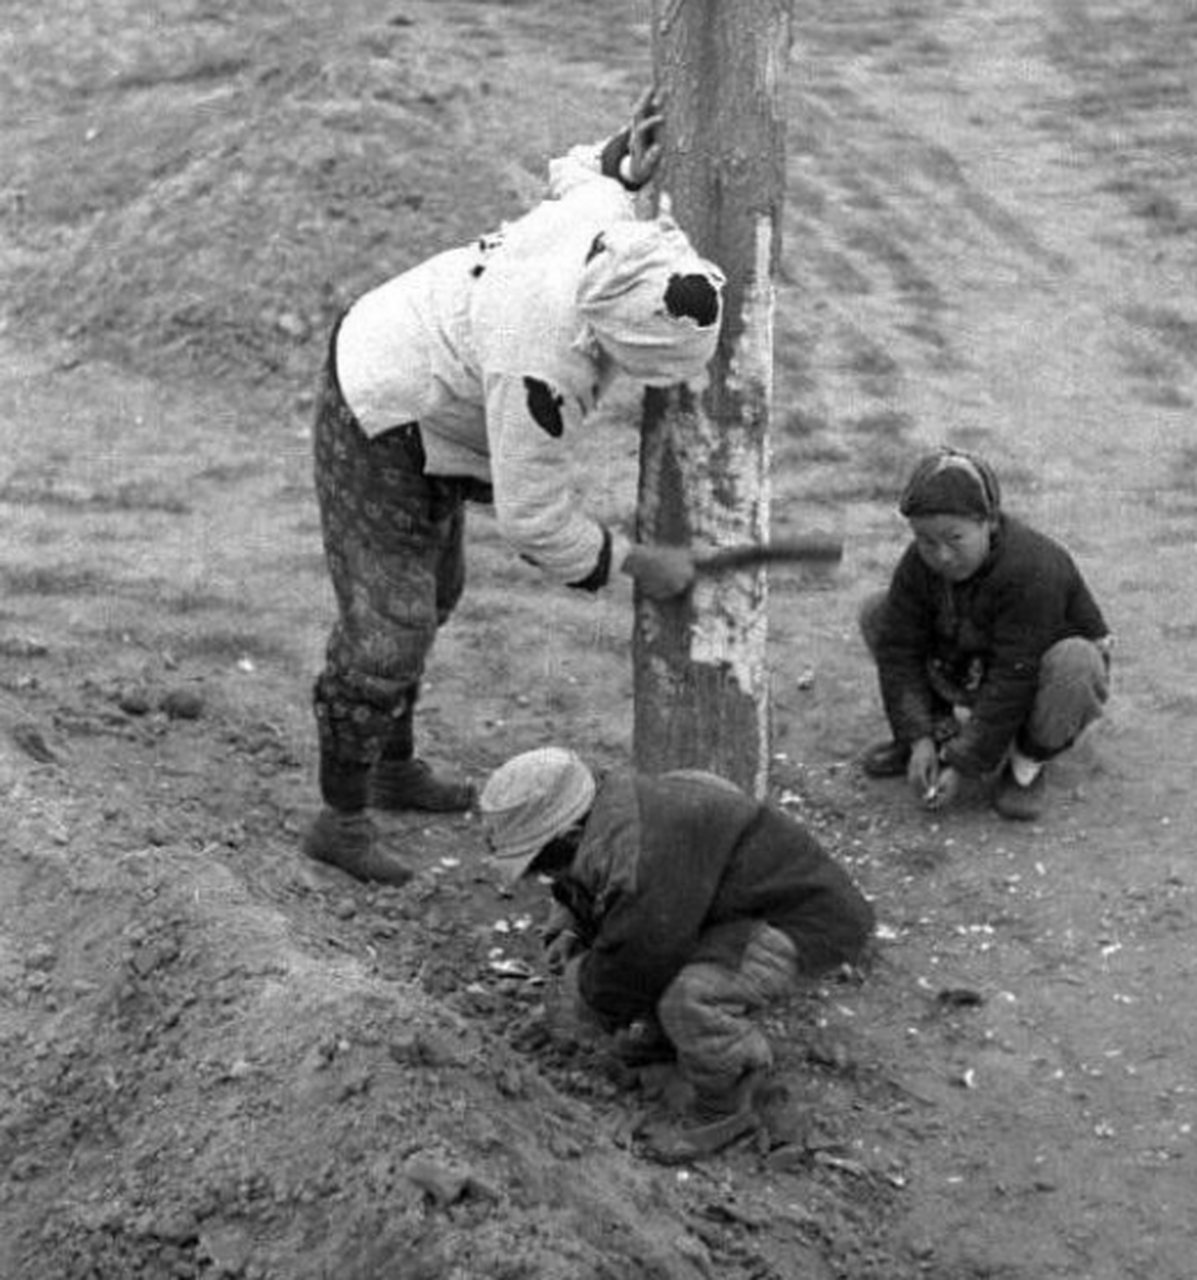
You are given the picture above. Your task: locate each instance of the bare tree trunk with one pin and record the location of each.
(701, 684)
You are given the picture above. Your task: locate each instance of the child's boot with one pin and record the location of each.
(890, 759)
(886, 759)
(1021, 791)
(714, 1121)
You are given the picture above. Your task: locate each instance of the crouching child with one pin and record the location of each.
(683, 905)
(993, 655)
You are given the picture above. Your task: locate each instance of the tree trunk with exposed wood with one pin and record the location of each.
(701, 682)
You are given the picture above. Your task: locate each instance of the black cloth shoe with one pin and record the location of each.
(886, 759)
(714, 1121)
(349, 842)
(1019, 803)
(396, 785)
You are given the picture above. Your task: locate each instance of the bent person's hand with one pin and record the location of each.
(661, 572)
(570, 1020)
(561, 949)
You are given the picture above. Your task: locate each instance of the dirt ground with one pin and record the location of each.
(218, 1063)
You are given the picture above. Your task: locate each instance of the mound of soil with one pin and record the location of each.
(220, 1062)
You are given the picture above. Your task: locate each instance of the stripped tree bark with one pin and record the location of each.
(700, 676)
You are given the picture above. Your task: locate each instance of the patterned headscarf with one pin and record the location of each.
(950, 482)
(651, 302)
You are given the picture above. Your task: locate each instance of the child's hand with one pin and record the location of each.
(923, 770)
(662, 572)
(562, 938)
(943, 790)
(570, 1021)
(561, 949)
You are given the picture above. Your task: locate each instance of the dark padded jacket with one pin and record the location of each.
(678, 868)
(985, 636)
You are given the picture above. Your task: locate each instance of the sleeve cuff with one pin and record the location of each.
(604, 570)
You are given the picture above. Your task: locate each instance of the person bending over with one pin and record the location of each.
(472, 376)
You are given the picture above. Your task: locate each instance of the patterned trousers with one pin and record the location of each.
(393, 541)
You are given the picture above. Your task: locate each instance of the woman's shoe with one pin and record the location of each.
(349, 842)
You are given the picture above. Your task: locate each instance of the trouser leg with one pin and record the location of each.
(393, 541)
(707, 1011)
(1073, 690)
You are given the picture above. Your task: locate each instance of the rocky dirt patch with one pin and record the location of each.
(219, 1063)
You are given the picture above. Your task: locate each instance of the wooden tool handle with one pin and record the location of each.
(813, 548)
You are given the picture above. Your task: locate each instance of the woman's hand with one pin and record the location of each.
(644, 139)
(661, 572)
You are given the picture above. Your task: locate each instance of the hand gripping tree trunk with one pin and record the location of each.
(701, 683)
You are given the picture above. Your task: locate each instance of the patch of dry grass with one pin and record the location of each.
(133, 495)
(53, 580)
(286, 159)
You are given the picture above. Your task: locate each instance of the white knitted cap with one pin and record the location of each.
(529, 801)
